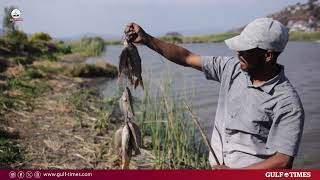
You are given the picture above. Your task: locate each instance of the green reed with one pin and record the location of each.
(175, 142)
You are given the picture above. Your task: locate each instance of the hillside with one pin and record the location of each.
(300, 17)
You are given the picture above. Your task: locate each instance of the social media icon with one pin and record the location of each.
(37, 174)
(29, 174)
(21, 174)
(12, 174)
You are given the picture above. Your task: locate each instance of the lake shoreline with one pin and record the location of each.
(220, 37)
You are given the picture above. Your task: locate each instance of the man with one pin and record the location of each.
(259, 118)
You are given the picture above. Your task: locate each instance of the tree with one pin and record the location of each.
(7, 24)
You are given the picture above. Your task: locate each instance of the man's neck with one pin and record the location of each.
(264, 75)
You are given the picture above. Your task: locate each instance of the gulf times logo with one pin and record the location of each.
(288, 174)
(15, 15)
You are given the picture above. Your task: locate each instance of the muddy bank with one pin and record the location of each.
(69, 126)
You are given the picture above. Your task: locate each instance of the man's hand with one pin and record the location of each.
(277, 161)
(177, 54)
(135, 33)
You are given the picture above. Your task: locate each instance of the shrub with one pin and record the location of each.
(16, 40)
(40, 36)
(89, 46)
(63, 47)
(101, 69)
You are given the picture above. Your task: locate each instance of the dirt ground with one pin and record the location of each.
(50, 136)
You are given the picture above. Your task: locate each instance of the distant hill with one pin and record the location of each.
(298, 17)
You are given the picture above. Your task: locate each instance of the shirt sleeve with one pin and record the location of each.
(214, 66)
(286, 131)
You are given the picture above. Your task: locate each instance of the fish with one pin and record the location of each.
(136, 141)
(126, 149)
(127, 139)
(125, 64)
(117, 139)
(130, 64)
(125, 104)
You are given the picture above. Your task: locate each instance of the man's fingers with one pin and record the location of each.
(130, 33)
(131, 37)
(129, 27)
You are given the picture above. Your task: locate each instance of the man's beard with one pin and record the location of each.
(255, 69)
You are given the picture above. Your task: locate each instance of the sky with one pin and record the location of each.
(68, 18)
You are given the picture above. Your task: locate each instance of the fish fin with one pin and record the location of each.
(141, 83)
(126, 157)
(137, 151)
(137, 83)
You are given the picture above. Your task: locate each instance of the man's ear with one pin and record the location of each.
(269, 56)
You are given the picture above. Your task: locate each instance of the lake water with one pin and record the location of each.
(302, 67)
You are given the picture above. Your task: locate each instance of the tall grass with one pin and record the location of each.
(173, 134)
(89, 46)
(87, 102)
(9, 151)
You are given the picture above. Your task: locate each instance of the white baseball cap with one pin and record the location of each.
(263, 33)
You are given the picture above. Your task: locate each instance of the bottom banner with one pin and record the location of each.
(160, 174)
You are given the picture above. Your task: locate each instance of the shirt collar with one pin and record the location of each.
(270, 84)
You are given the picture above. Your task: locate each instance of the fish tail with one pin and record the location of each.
(141, 83)
(125, 162)
(137, 83)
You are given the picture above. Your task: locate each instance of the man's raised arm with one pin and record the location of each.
(172, 52)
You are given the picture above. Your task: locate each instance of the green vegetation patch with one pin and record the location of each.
(209, 38)
(304, 36)
(88, 101)
(29, 88)
(9, 152)
(174, 140)
(89, 46)
(100, 69)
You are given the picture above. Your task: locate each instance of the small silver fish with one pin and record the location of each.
(130, 64)
(117, 139)
(127, 139)
(126, 149)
